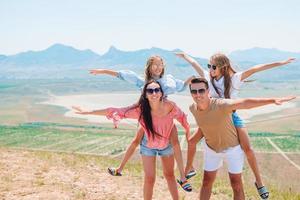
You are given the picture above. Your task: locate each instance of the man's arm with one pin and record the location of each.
(192, 142)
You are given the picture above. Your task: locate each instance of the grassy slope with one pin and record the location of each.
(83, 139)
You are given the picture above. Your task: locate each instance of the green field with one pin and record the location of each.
(108, 141)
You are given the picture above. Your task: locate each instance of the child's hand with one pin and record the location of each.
(96, 71)
(289, 60)
(180, 54)
(279, 101)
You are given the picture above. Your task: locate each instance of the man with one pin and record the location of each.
(214, 120)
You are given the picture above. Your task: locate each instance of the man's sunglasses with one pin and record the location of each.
(200, 91)
(152, 90)
(214, 67)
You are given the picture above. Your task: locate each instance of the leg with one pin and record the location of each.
(207, 183)
(149, 164)
(168, 170)
(130, 150)
(237, 186)
(246, 146)
(177, 152)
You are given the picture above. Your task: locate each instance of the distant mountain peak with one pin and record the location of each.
(113, 49)
(59, 46)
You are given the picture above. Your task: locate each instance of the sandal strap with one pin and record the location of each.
(185, 185)
(190, 174)
(262, 191)
(113, 172)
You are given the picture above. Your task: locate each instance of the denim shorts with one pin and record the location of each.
(237, 121)
(146, 151)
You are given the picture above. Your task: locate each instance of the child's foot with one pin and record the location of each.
(191, 174)
(113, 171)
(262, 191)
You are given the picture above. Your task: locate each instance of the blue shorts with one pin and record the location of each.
(146, 151)
(237, 121)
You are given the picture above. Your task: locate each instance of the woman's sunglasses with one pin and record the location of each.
(152, 90)
(214, 67)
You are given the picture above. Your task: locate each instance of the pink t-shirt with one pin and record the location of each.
(162, 125)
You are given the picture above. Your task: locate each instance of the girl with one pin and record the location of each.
(154, 69)
(225, 82)
(156, 117)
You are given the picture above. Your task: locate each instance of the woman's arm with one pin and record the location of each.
(78, 110)
(193, 62)
(104, 71)
(181, 117)
(115, 114)
(262, 67)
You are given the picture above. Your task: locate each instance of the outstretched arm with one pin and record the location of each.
(104, 71)
(257, 102)
(262, 67)
(78, 110)
(187, 81)
(192, 61)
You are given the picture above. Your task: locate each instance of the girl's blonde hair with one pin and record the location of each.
(148, 75)
(225, 66)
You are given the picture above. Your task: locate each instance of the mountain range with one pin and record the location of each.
(62, 61)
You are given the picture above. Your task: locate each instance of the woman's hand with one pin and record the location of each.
(78, 110)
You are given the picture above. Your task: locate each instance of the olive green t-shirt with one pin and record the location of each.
(216, 124)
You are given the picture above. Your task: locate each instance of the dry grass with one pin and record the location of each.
(44, 175)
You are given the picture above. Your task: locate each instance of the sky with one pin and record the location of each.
(197, 27)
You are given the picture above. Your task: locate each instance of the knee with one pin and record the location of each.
(236, 184)
(150, 179)
(169, 175)
(207, 182)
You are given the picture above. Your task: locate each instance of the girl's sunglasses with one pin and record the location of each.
(214, 67)
(152, 90)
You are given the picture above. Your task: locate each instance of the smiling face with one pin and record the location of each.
(156, 67)
(215, 72)
(199, 92)
(153, 92)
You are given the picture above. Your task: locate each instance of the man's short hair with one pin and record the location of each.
(199, 80)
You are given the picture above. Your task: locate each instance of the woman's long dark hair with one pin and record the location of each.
(144, 105)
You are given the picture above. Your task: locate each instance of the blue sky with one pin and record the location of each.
(195, 26)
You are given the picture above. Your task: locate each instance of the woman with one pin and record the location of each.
(156, 116)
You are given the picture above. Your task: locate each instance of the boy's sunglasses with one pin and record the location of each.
(152, 90)
(200, 91)
(214, 67)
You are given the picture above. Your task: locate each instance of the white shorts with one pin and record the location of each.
(234, 157)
